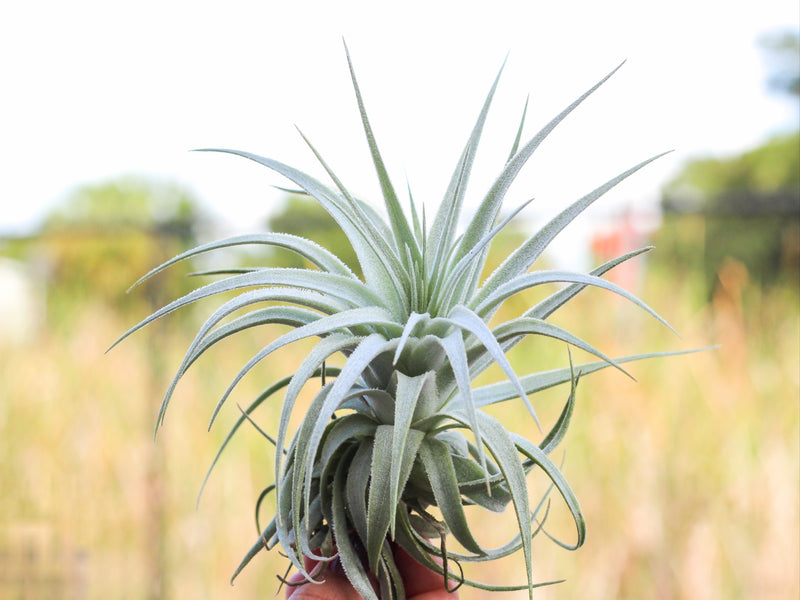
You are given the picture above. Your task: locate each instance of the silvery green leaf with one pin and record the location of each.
(443, 227)
(371, 233)
(504, 451)
(313, 252)
(260, 399)
(203, 341)
(536, 382)
(522, 326)
(518, 139)
(346, 429)
(409, 391)
(411, 324)
(366, 351)
(321, 327)
(549, 305)
(559, 430)
(353, 568)
(346, 216)
(453, 345)
(300, 475)
(356, 486)
(438, 464)
(452, 291)
(382, 503)
(321, 352)
(260, 545)
(523, 257)
(394, 579)
(471, 322)
(530, 280)
(533, 452)
(491, 204)
(399, 224)
(352, 291)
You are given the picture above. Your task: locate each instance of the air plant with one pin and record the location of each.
(399, 427)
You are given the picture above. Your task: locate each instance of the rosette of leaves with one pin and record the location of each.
(399, 429)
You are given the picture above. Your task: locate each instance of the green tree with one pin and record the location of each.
(303, 216)
(750, 210)
(104, 236)
(749, 183)
(746, 207)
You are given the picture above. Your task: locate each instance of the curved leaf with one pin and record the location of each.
(316, 254)
(523, 257)
(501, 446)
(391, 258)
(522, 326)
(366, 351)
(203, 341)
(352, 291)
(536, 382)
(372, 263)
(471, 322)
(353, 568)
(549, 305)
(536, 454)
(322, 351)
(529, 280)
(491, 204)
(438, 465)
(409, 390)
(322, 327)
(260, 399)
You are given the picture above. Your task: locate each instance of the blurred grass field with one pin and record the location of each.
(688, 477)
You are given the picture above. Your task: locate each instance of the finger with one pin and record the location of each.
(298, 578)
(420, 582)
(441, 594)
(334, 587)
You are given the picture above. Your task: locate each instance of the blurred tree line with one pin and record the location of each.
(102, 237)
(746, 208)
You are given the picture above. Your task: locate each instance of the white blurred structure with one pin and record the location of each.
(22, 304)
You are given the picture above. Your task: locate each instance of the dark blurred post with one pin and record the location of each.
(171, 238)
(156, 491)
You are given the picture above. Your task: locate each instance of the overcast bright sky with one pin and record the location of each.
(96, 89)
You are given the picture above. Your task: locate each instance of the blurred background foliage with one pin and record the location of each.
(748, 209)
(689, 477)
(102, 237)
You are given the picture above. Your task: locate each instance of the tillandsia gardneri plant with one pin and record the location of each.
(398, 428)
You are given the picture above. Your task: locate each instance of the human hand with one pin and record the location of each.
(420, 583)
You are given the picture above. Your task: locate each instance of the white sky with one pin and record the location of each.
(96, 89)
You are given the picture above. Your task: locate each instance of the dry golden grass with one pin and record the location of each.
(689, 477)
